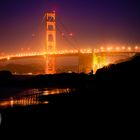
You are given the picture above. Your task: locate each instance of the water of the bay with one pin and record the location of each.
(31, 97)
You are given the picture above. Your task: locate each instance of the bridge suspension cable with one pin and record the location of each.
(66, 39)
(61, 27)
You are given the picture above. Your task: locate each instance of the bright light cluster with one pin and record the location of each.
(76, 51)
(118, 49)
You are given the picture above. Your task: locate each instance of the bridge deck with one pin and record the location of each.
(12, 57)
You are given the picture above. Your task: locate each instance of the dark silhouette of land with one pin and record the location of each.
(108, 98)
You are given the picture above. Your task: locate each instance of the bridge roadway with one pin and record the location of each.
(69, 54)
(8, 58)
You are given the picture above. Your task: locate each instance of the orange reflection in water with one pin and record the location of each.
(31, 97)
(56, 91)
(23, 101)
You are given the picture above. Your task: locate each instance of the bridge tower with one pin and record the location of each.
(50, 42)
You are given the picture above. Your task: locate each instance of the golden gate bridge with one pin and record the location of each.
(89, 59)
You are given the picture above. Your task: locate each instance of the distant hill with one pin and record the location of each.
(27, 68)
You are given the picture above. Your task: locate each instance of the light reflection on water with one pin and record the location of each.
(31, 97)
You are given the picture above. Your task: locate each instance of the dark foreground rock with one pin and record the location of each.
(107, 101)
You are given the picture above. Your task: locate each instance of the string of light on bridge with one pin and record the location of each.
(82, 51)
(114, 49)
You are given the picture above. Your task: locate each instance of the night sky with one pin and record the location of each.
(92, 22)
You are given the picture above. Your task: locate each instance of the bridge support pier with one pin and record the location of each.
(85, 63)
(99, 61)
(50, 42)
(50, 65)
